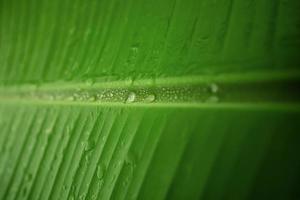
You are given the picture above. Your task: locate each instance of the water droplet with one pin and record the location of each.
(110, 94)
(100, 183)
(51, 97)
(214, 88)
(131, 97)
(70, 98)
(91, 98)
(129, 80)
(48, 131)
(94, 197)
(150, 98)
(89, 145)
(100, 171)
(125, 182)
(135, 48)
(82, 197)
(122, 143)
(65, 187)
(130, 159)
(99, 97)
(175, 97)
(212, 99)
(88, 158)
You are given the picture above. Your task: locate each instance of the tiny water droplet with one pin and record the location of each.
(214, 88)
(100, 171)
(99, 96)
(70, 98)
(100, 183)
(122, 143)
(92, 98)
(94, 197)
(82, 197)
(131, 97)
(89, 145)
(129, 80)
(130, 159)
(110, 94)
(88, 158)
(48, 131)
(175, 97)
(135, 48)
(51, 97)
(65, 187)
(150, 98)
(212, 99)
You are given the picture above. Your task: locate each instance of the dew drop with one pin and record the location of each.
(214, 88)
(51, 97)
(70, 98)
(130, 159)
(87, 158)
(99, 97)
(92, 98)
(212, 99)
(150, 98)
(100, 183)
(131, 97)
(175, 97)
(48, 131)
(110, 94)
(65, 188)
(90, 145)
(129, 80)
(82, 197)
(94, 197)
(100, 171)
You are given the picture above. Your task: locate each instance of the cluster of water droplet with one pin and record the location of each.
(195, 93)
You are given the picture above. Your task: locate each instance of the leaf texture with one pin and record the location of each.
(163, 99)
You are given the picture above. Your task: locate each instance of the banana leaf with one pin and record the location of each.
(162, 99)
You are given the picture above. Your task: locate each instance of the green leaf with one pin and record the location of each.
(136, 99)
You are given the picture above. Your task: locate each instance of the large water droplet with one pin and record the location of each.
(131, 97)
